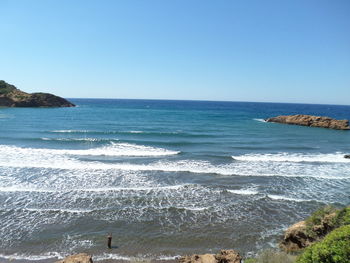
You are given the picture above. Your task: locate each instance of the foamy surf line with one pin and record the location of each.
(79, 139)
(337, 157)
(150, 188)
(24, 189)
(114, 149)
(164, 167)
(98, 257)
(259, 120)
(107, 256)
(117, 132)
(17, 157)
(285, 198)
(97, 190)
(71, 131)
(270, 196)
(60, 210)
(44, 256)
(243, 192)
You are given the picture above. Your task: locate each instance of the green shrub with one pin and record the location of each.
(250, 260)
(334, 248)
(340, 217)
(272, 256)
(5, 87)
(343, 217)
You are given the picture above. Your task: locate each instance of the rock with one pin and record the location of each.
(224, 256)
(295, 237)
(10, 96)
(312, 121)
(347, 156)
(228, 256)
(78, 258)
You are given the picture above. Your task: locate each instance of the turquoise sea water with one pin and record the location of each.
(166, 178)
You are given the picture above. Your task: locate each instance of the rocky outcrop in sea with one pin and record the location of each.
(312, 121)
(10, 96)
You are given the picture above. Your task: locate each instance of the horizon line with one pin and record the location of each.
(206, 100)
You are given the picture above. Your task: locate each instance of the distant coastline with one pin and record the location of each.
(10, 96)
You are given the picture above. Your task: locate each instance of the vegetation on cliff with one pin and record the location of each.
(324, 237)
(10, 96)
(334, 248)
(6, 88)
(272, 256)
(324, 220)
(314, 228)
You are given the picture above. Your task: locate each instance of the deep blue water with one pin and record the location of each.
(165, 177)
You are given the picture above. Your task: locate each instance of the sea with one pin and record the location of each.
(165, 178)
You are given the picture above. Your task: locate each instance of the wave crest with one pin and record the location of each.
(293, 157)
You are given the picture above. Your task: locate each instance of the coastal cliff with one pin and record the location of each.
(314, 228)
(10, 96)
(312, 121)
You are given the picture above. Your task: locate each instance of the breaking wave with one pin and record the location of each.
(294, 157)
(113, 149)
(247, 165)
(260, 120)
(243, 192)
(78, 139)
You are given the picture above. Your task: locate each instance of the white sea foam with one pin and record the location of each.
(168, 257)
(274, 197)
(98, 257)
(281, 197)
(70, 131)
(116, 189)
(243, 192)
(294, 157)
(18, 256)
(249, 165)
(77, 139)
(24, 189)
(106, 256)
(114, 149)
(97, 190)
(193, 208)
(260, 120)
(60, 210)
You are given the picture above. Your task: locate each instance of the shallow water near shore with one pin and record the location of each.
(166, 178)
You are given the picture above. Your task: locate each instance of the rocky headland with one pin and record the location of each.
(312, 121)
(10, 96)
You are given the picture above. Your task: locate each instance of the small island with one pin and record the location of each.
(10, 96)
(312, 121)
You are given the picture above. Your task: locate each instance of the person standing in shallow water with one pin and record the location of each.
(109, 241)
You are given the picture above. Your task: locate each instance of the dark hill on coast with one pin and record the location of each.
(10, 96)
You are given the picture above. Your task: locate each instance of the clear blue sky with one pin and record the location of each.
(248, 50)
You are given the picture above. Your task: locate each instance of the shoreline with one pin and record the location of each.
(96, 258)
